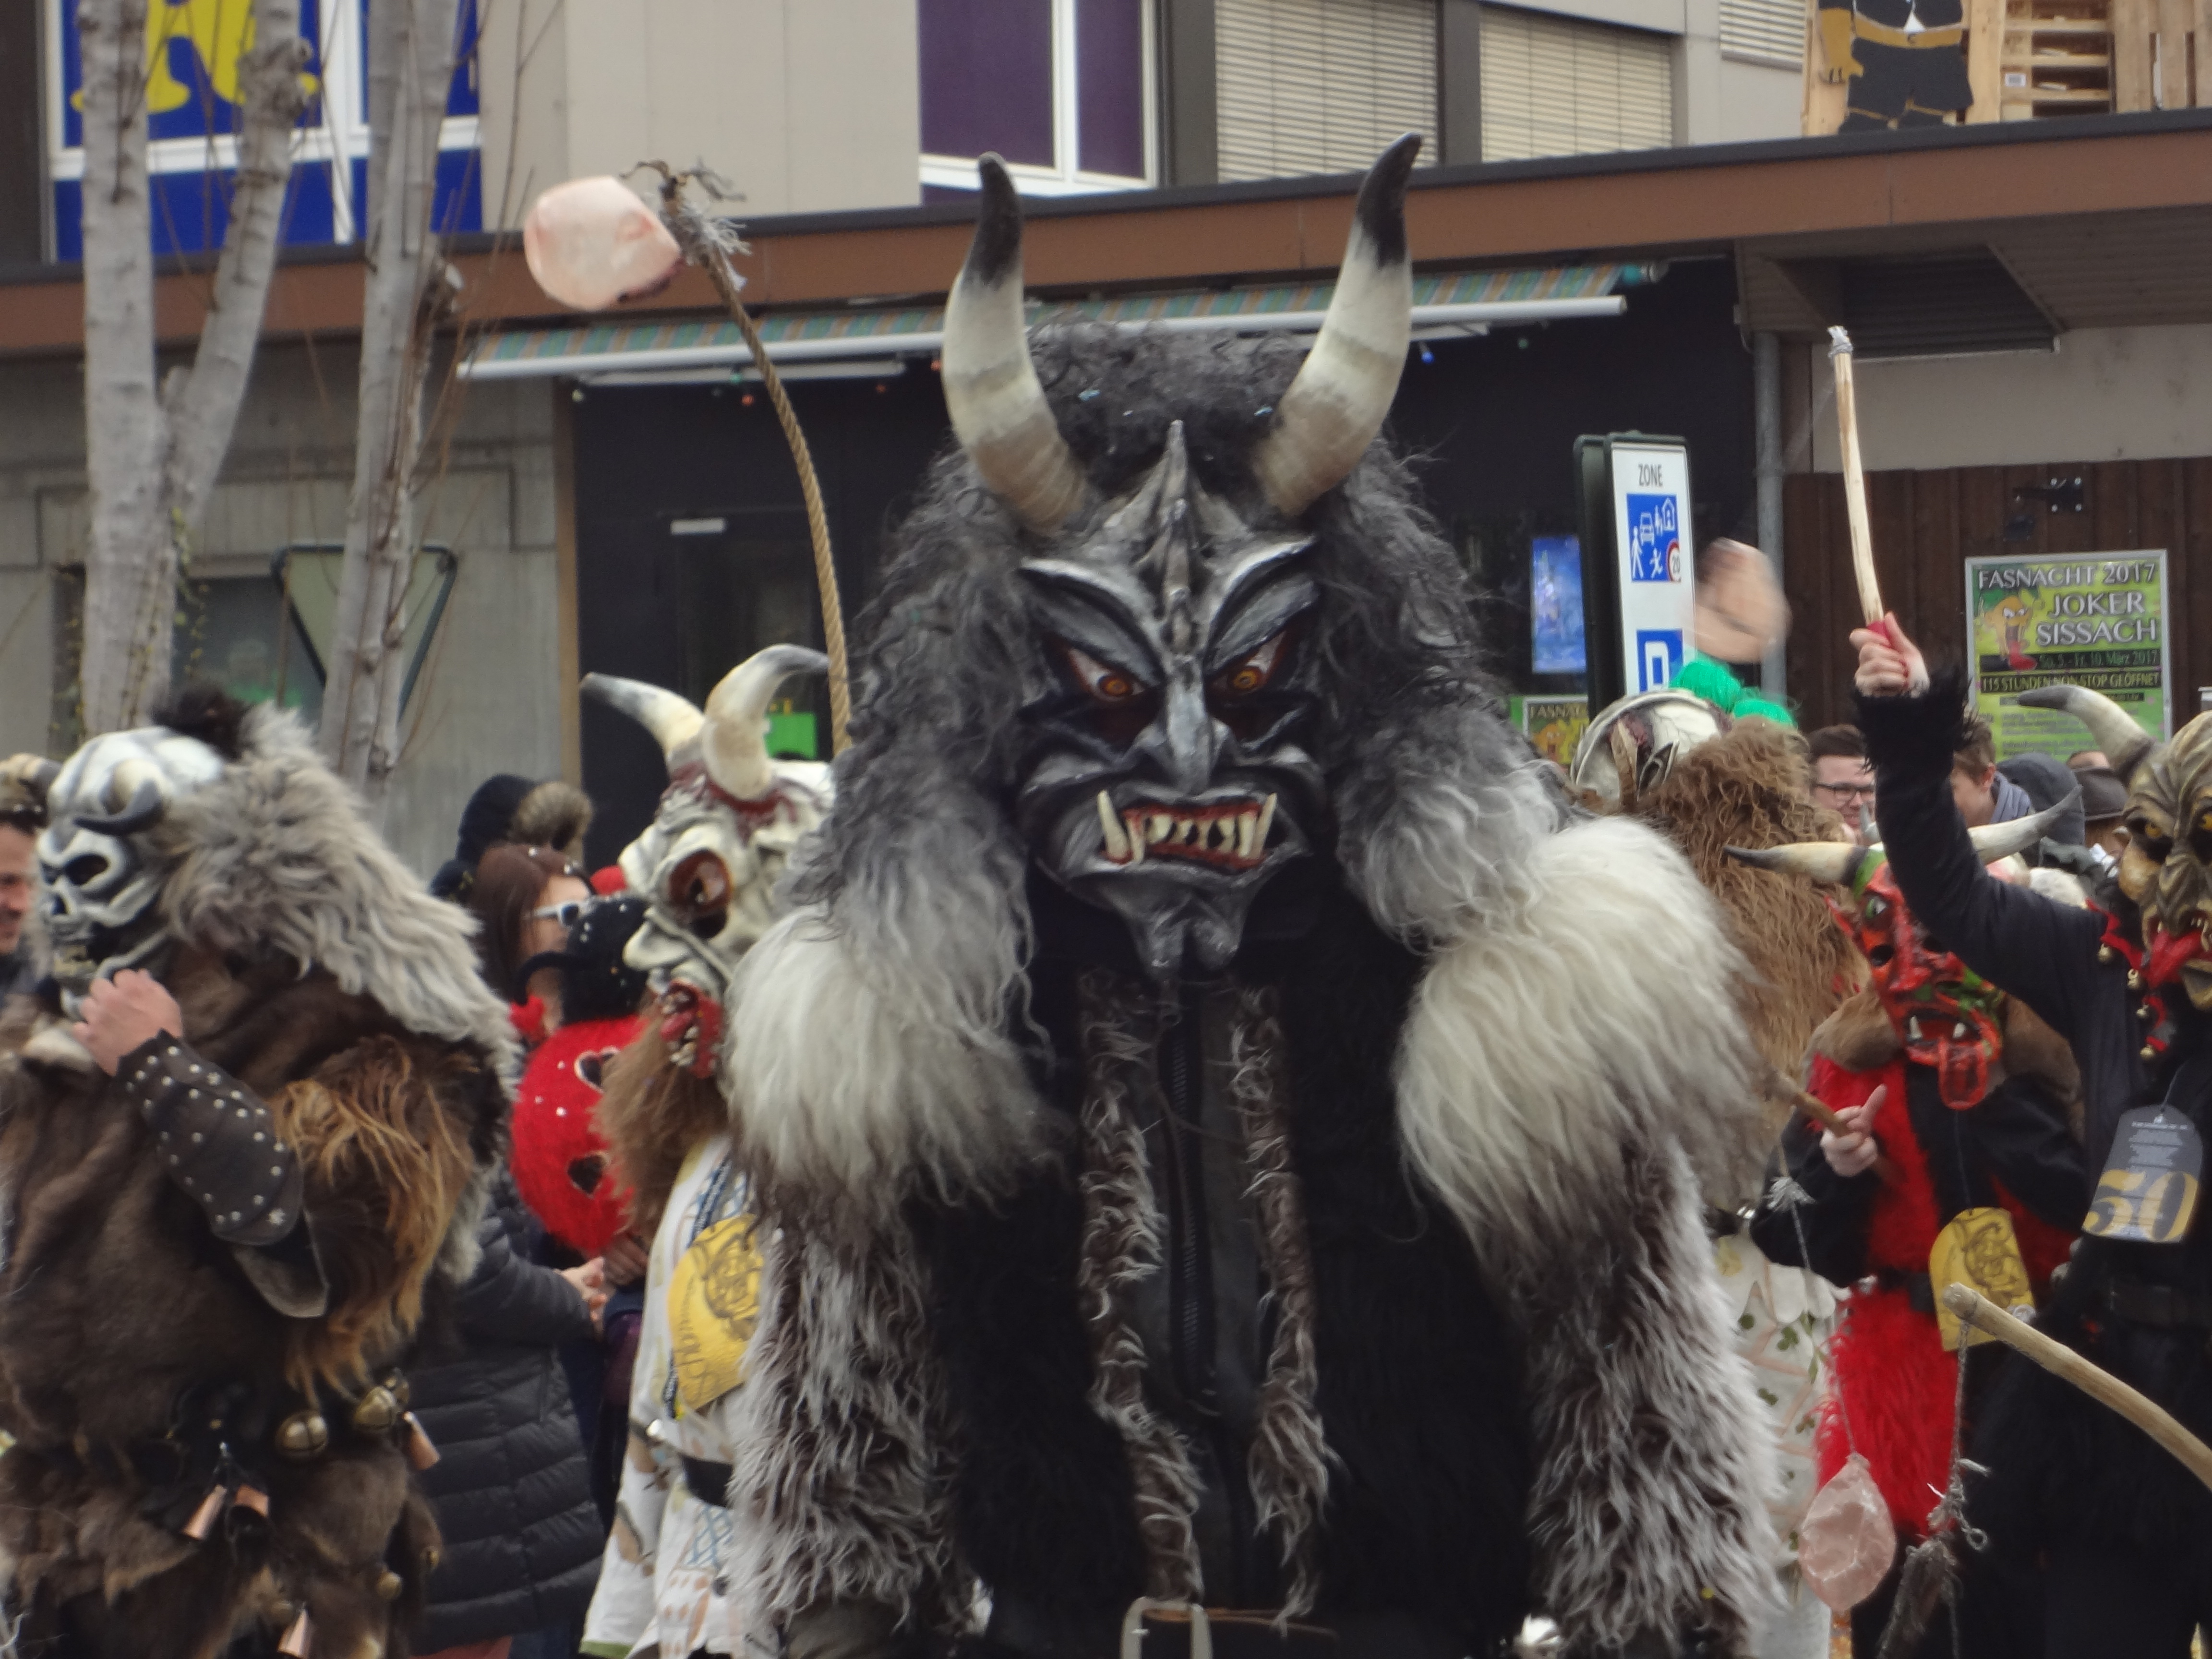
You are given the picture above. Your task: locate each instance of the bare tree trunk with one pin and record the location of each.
(411, 65)
(151, 460)
(129, 564)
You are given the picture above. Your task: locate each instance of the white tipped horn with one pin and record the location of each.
(991, 388)
(1830, 861)
(735, 740)
(146, 797)
(2123, 742)
(1336, 405)
(1993, 841)
(673, 720)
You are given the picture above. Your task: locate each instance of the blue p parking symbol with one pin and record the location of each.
(1658, 657)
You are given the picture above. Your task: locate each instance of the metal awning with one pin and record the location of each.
(1462, 302)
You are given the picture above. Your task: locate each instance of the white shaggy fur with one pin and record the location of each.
(1565, 1065)
(278, 852)
(844, 1080)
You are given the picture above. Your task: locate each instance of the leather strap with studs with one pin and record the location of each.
(218, 1140)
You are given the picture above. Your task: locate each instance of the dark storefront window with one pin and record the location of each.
(1061, 89)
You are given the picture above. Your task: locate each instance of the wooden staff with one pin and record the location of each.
(703, 247)
(1854, 496)
(2100, 1385)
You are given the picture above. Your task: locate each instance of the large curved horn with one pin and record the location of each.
(672, 720)
(35, 773)
(1335, 406)
(1993, 841)
(150, 798)
(2123, 742)
(991, 388)
(736, 739)
(1830, 861)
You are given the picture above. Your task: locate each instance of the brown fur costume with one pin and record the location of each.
(652, 1115)
(127, 1328)
(1747, 788)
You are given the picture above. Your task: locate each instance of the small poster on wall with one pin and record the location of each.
(1555, 726)
(2093, 619)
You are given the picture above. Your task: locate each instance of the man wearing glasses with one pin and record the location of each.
(1843, 780)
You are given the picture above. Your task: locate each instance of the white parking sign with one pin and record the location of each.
(1650, 489)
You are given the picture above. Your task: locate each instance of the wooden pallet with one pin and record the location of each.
(2162, 54)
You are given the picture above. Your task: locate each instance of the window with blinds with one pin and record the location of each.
(1321, 86)
(1764, 31)
(1556, 86)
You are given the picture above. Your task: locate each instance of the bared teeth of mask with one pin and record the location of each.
(1960, 1031)
(1218, 835)
(1134, 824)
(1158, 828)
(1260, 830)
(1193, 833)
(1109, 823)
(1245, 823)
(1912, 1027)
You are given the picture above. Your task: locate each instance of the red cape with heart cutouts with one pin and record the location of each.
(560, 1162)
(1896, 1382)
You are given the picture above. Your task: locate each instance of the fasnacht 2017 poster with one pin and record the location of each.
(2093, 619)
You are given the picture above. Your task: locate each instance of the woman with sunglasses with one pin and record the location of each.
(525, 899)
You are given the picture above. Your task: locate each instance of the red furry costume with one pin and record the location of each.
(1893, 1379)
(560, 1162)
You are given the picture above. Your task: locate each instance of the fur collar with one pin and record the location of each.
(277, 854)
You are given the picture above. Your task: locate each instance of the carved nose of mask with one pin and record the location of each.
(1194, 737)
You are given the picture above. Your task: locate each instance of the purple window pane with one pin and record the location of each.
(986, 78)
(1109, 78)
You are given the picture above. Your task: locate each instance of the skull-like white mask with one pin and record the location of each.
(102, 880)
(708, 865)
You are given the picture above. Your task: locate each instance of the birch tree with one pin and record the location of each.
(411, 67)
(153, 451)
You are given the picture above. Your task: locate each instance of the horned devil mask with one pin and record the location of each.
(2167, 868)
(709, 863)
(1166, 776)
(103, 880)
(1943, 1011)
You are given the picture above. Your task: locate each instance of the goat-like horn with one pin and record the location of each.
(1993, 841)
(2123, 742)
(35, 773)
(150, 798)
(736, 738)
(1831, 861)
(991, 388)
(1335, 406)
(672, 720)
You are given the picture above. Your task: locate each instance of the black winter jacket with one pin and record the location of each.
(512, 1484)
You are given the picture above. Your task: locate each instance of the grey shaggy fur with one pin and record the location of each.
(278, 852)
(911, 899)
(1573, 1038)
(1290, 1457)
(1566, 1071)
(837, 1433)
(1120, 1246)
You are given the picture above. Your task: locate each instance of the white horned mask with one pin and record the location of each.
(709, 864)
(102, 878)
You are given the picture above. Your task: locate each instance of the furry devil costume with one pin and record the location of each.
(2113, 1522)
(1229, 1131)
(706, 870)
(215, 1258)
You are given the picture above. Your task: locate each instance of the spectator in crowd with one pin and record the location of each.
(1983, 795)
(21, 820)
(1842, 781)
(512, 1485)
(2104, 806)
(514, 810)
(525, 899)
